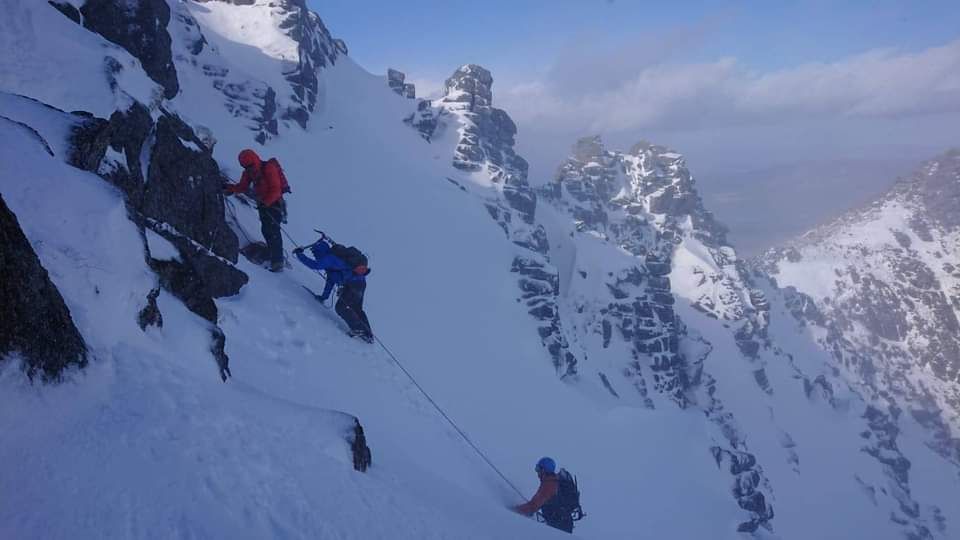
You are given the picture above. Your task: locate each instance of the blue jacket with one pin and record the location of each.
(338, 272)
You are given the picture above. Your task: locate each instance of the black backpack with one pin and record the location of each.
(568, 495)
(350, 255)
(567, 499)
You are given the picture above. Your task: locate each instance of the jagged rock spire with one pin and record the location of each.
(471, 84)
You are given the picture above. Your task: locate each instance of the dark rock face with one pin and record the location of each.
(35, 324)
(487, 144)
(67, 9)
(180, 199)
(425, 120)
(140, 27)
(362, 458)
(317, 50)
(183, 187)
(743, 467)
(395, 80)
(215, 277)
(263, 106)
(150, 314)
(471, 85)
(588, 187)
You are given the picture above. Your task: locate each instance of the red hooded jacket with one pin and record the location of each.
(264, 176)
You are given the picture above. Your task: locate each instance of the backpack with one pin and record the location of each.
(568, 495)
(284, 185)
(350, 255)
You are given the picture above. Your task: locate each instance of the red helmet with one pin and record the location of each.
(248, 158)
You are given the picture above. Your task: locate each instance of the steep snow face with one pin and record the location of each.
(885, 281)
(147, 441)
(692, 402)
(265, 58)
(665, 314)
(47, 57)
(482, 141)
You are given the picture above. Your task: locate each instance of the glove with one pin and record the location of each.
(323, 298)
(297, 250)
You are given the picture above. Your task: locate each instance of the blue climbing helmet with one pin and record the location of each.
(546, 465)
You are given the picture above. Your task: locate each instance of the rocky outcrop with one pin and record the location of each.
(140, 27)
(426, 119)
(590, 187)
(362, 458)
(486, 144)
(317, 49)
(395, 80)
(150, 314)
(35, 323)
(742, 466)
(264, 105)
(67, 9)
(182, 187)
(173, 187)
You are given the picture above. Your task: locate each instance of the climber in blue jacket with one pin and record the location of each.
(345, 267)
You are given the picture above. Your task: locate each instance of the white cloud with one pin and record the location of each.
(880, 83)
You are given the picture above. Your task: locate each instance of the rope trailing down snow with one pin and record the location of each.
(445, 416)
(423, 391)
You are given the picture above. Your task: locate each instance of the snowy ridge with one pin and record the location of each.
(604, 320)
(280, 84)
(887, 294)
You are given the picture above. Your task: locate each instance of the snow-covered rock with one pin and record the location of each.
(486, 156)
(396, 82)
(885, 283)
(35, 324)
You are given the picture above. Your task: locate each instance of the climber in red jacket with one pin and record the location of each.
(268, 185)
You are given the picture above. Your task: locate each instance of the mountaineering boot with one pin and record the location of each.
(361, 335)
(276, 266)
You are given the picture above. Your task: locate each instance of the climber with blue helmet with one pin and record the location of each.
(546, 500)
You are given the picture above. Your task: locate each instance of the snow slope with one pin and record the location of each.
(259, 456)
(147, 442)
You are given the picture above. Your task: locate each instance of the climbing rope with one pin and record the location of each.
(233, 214)
(444, 415)
(413, 380)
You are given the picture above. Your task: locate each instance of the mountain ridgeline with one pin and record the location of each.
(820, 383)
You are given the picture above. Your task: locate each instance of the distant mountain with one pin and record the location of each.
(885, 280)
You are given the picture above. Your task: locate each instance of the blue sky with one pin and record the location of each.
(428, 39)
(759, 95)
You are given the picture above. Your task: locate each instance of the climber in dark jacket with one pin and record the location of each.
(352, 282)
(545, 500)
